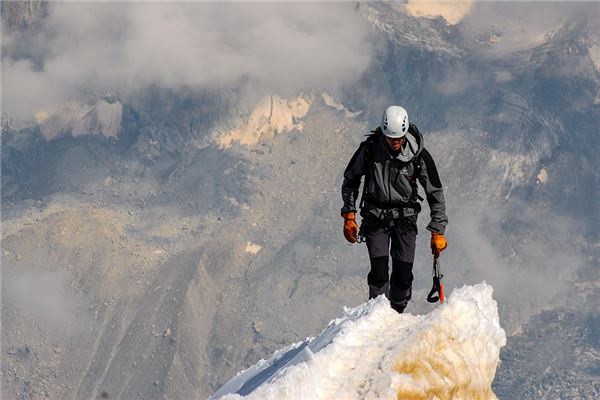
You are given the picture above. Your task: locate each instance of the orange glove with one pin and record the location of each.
(350, 227)
(438, 243)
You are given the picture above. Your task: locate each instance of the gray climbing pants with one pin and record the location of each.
(397, 239)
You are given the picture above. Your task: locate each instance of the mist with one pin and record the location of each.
(87, 49)
(530, 268)
(43, 297)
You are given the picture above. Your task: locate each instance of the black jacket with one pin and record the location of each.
(390, 180)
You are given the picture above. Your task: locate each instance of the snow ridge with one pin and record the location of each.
(371, 352)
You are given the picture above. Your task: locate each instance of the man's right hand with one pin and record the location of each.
(350, 227)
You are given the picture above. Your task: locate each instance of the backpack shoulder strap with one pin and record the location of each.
(369, 143)
(416, 161)
(417, 167)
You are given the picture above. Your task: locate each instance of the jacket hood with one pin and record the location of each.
(413, 146)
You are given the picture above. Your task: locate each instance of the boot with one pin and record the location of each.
(398, 307)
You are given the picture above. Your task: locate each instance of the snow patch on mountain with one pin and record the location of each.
(331, 102)
(371, 352)
(272, 115)
(253, 248)
(102, 118)
(542, 176)
(595, 55)
(452, 11)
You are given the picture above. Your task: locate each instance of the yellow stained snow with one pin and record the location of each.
(453, 11)
(271, 116)
(442, 365)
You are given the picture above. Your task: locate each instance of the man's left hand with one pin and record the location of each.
(350, 227)
(438, 243)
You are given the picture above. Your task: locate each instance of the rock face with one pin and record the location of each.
(160, 258)
(102, 118)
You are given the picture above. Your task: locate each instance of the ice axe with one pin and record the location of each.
(437, 291)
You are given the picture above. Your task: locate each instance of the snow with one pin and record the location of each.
(272, 115)
(331, 102)
(595, 55)
(371, 352)
(253, 248)
(543, 176)
(452, 11)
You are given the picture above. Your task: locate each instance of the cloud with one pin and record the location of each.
(530, 257)
(457, 81)
(503, 227)
(91, 48)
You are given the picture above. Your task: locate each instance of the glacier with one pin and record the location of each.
(371, 352)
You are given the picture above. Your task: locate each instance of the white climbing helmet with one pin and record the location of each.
(394, 122)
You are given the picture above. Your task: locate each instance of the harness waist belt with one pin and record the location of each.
(394, 205)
